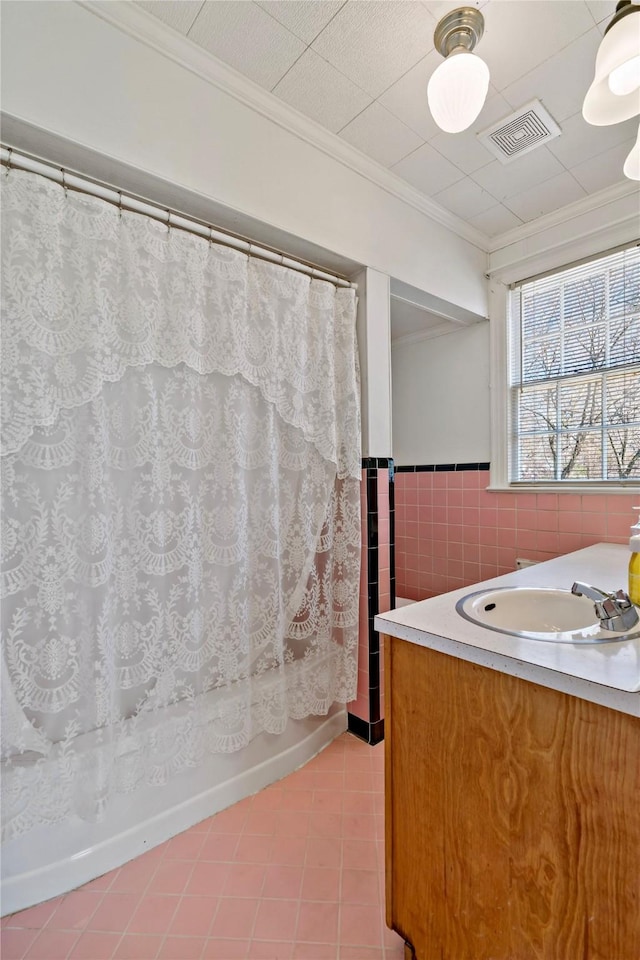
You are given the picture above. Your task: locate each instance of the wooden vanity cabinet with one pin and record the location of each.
(512, 816)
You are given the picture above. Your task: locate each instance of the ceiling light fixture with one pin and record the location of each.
(614, 95)
(631, 167)
(458, 88)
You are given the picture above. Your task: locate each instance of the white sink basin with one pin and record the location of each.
(539, 613)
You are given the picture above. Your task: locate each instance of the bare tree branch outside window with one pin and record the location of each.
(577, 375)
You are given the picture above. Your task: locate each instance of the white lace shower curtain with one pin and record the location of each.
(180, 501)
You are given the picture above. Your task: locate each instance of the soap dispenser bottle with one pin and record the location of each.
(634, 563)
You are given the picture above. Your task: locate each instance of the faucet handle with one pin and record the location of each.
(614, 610)
(617, 612)
(623, 597)
(613, 605)
(616, 603)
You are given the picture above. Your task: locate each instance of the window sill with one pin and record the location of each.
(610, 488)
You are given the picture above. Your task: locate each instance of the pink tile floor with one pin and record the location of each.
(295, 872)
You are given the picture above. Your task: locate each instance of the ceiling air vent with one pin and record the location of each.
(527, 128)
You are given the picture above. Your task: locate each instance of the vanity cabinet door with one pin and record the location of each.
(512, 815)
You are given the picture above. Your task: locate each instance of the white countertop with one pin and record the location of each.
(605, 673)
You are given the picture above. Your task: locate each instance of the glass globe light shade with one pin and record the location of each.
(631, 167)
(457, 90)
(625, 78)
(614, 95)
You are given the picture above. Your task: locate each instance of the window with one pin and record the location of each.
(574, 380)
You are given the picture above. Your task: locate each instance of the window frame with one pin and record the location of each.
(502, 434)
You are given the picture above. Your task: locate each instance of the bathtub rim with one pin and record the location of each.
(69, 868)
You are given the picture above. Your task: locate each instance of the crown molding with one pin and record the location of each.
(580, 230)
(144, 27)
(595, 201)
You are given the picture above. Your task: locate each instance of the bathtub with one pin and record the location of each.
(52, 859)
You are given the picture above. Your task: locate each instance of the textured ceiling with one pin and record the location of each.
(360, 69)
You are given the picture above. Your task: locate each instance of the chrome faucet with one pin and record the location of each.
(614, 610)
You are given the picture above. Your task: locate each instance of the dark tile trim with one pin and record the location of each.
(372, 466)
(376, 732)
(473, 466)
(373, 587)
(441, 467)
(358, 726)
(371, 733)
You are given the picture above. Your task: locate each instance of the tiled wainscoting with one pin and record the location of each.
(452, 532)
(377, 594)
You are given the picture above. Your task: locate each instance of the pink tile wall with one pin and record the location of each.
(452, 532)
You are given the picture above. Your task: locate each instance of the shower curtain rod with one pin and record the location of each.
(80, 183)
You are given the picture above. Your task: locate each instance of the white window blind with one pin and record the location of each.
(575, 373)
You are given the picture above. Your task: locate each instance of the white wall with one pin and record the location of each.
(441, 406)
(66, 70)
(374, 351)
(441, 400)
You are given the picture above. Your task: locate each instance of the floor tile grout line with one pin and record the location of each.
(338, 825)
(73, 928)
(144, 893)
